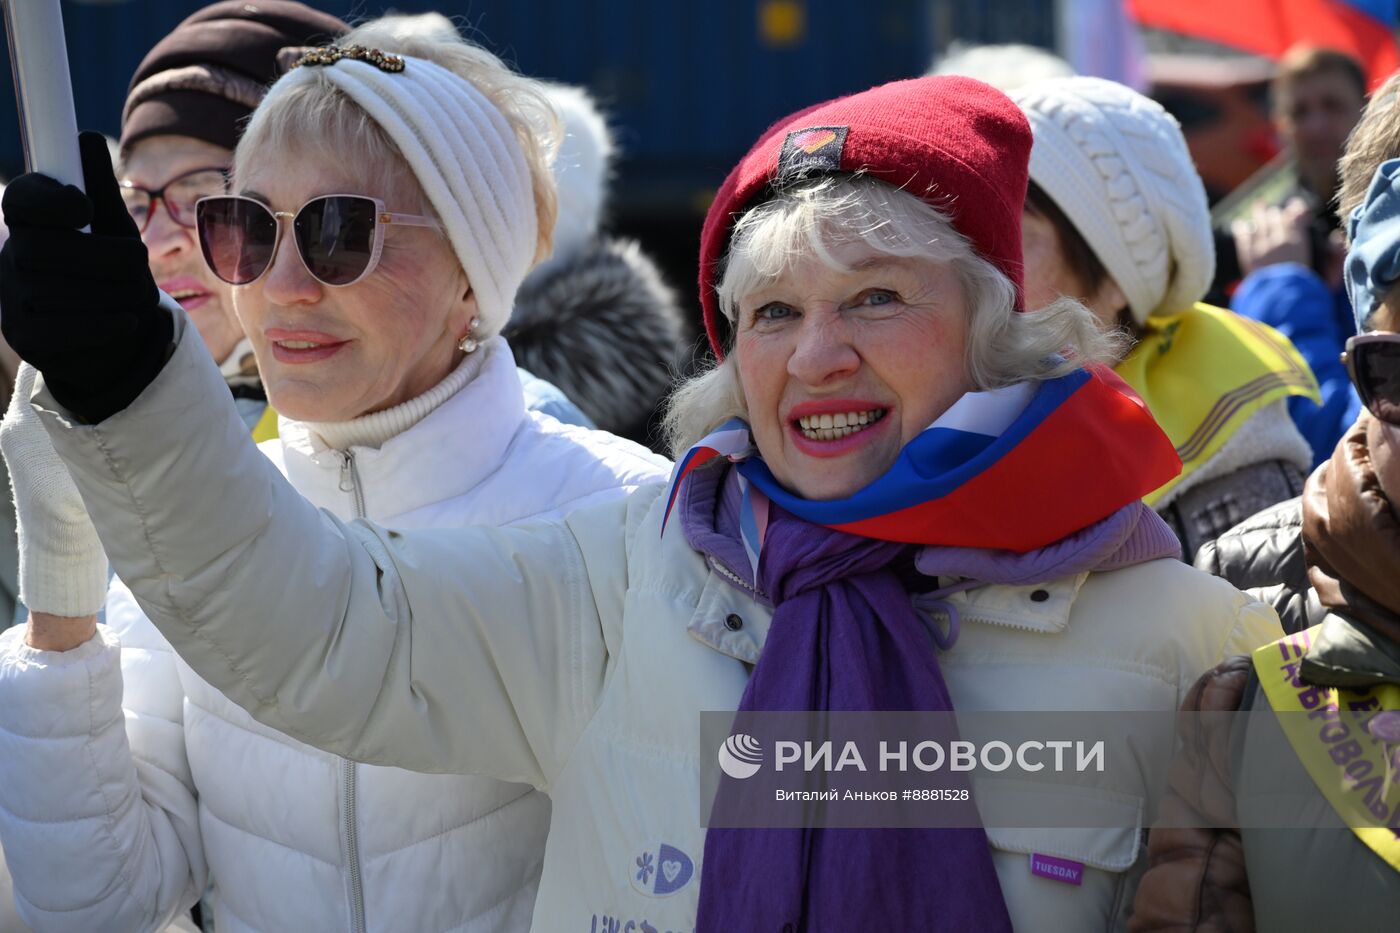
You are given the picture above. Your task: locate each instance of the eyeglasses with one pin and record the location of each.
(1373, 361)
(339, 236)
(179, 196)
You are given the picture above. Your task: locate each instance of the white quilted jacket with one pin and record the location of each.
(117, 805)
(577, 655)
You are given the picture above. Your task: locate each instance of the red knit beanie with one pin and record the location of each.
(957, 143)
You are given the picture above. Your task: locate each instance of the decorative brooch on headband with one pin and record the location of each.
(332, 54)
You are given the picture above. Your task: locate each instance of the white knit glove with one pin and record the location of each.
(62, 568)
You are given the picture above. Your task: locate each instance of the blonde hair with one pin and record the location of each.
(317, 116)
(1374, 139)
(814, 217)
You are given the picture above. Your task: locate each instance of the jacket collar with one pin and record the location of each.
(729, 617)
(1040, 607)
(1348, 654)
(732, 617)
(447, 453)
(733, 620)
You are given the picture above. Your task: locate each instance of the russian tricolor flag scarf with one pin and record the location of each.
(1008, 469)
(1011, 469)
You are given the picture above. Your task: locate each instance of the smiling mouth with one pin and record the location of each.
(299, 344)
(834, 427)
(184, 294)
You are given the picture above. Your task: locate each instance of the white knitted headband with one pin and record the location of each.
(466, 158)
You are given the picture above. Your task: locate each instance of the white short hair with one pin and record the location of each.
(814, 217)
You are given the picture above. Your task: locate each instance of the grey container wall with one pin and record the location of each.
(688, 85)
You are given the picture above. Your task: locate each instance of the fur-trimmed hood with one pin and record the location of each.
(582, 168)
(596, 319)
(602, 326)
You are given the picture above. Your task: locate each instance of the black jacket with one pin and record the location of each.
(1263, 556)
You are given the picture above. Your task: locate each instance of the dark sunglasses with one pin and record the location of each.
(338, 236)
(179, 195)
(1373, 361)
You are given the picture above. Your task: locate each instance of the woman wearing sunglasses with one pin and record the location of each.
(372, 287)
(1329, 562)
(881, 402)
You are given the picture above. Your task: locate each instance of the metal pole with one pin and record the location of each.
(39, 60)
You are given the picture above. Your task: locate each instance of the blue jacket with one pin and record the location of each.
(1293, 300)
(548, 399)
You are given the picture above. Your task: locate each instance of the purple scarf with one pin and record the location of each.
(845, 636)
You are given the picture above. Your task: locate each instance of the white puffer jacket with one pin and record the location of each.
(111, 828)
(593, 645)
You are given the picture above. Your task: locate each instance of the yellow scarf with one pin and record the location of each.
(1341, 757)
(1204, 372)
(266, 428)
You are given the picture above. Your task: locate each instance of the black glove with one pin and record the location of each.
(81, 307)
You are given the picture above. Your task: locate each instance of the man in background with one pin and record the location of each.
(1287, 257)
(1317, 99)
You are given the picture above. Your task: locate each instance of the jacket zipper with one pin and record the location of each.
(734, 578)
(350, 482)
(739, 581)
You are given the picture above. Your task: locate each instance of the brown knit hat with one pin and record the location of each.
(205, 78)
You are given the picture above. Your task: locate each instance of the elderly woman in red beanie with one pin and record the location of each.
(884, 422)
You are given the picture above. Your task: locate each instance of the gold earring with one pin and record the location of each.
(468, 344)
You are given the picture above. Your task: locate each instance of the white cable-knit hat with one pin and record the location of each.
(1115, 162)
(465, 157)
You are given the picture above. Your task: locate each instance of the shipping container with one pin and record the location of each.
(688, 85)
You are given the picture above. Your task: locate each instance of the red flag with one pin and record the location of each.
(1272, 27)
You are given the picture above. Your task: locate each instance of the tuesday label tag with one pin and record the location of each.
(1057, 869)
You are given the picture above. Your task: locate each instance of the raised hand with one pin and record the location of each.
(81, 307)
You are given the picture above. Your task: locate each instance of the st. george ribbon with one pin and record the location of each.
(39, 61)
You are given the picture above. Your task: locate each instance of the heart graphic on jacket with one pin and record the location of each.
(662, 870)
(812, 140)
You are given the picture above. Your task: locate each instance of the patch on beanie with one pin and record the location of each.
(815, 148)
